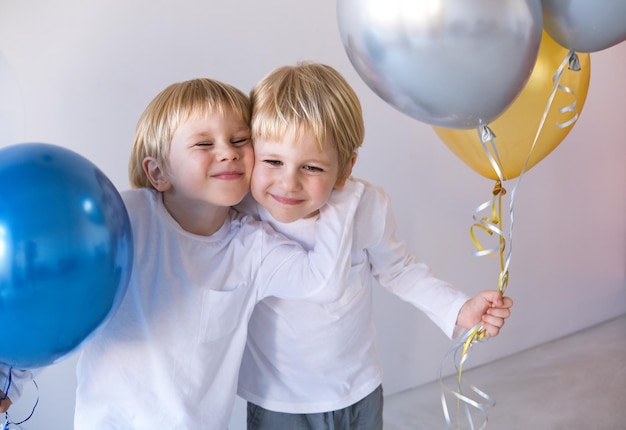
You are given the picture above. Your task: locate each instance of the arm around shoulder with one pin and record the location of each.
(5, 403)
(319, 275)
(13, 382)
(334, 241)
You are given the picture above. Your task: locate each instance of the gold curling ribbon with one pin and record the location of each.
(493, 225)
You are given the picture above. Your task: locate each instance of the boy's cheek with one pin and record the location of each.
(255, 189)
(259, 175)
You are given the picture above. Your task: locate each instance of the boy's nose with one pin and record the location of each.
(291, 181)
(228, 153)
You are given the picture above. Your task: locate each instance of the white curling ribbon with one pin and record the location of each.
(471, 411)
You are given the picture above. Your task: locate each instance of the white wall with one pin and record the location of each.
(78, 73)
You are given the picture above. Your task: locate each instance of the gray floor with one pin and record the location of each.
(574, 383)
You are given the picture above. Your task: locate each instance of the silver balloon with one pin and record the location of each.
(585, 25)
(448, 63)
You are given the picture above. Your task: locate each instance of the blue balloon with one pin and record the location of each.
(65, 252)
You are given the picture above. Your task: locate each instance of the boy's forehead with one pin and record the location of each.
(282, 131)
(216, 107)
(210, 118)
(295, 136)
(203, 110)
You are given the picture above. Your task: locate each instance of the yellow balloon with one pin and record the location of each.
(515, 129)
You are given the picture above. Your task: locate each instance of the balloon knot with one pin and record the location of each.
(485, 133)
(498, 189)
(574, 62)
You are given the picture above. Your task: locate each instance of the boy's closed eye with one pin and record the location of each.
(274, 163)
(237, 142)
(241, 141)
(308, 168)
(313, 169)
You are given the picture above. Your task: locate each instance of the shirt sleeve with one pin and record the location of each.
(319, 275)
(15, 380)
(401, 274)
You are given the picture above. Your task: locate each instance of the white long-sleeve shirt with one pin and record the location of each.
(303, 357)
(169, 358)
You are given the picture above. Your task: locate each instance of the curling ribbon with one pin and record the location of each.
(492, 225)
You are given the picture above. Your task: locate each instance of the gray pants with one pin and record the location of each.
(366, 414)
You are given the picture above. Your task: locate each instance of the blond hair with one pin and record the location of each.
(171, 108)
(309, 96)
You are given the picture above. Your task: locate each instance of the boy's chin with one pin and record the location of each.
(284, 217)
(287, 217)
(232, 200)
(285, 220)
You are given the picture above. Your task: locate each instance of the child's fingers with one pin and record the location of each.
(4, 404)
(505, 302)
(492, 325)
(499, 312)
(494, 320)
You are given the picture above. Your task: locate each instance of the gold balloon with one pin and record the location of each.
(515, 129)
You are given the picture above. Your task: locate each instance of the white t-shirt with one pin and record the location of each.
(169, 358)
(303, 357)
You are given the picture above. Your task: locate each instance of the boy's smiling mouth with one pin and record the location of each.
(286, 200)
(227, 175)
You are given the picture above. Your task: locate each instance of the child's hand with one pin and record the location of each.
(5, 402)
(489, 308)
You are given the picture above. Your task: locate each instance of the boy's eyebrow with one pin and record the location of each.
(201, 134)
(275, 155)
(266, 154)
(211, 133)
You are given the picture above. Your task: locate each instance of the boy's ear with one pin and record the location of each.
(341, 181)
(155, 174)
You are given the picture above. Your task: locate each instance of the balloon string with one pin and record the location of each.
(8, 424)
(571, 60)
(493, 225)
(464, 403)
